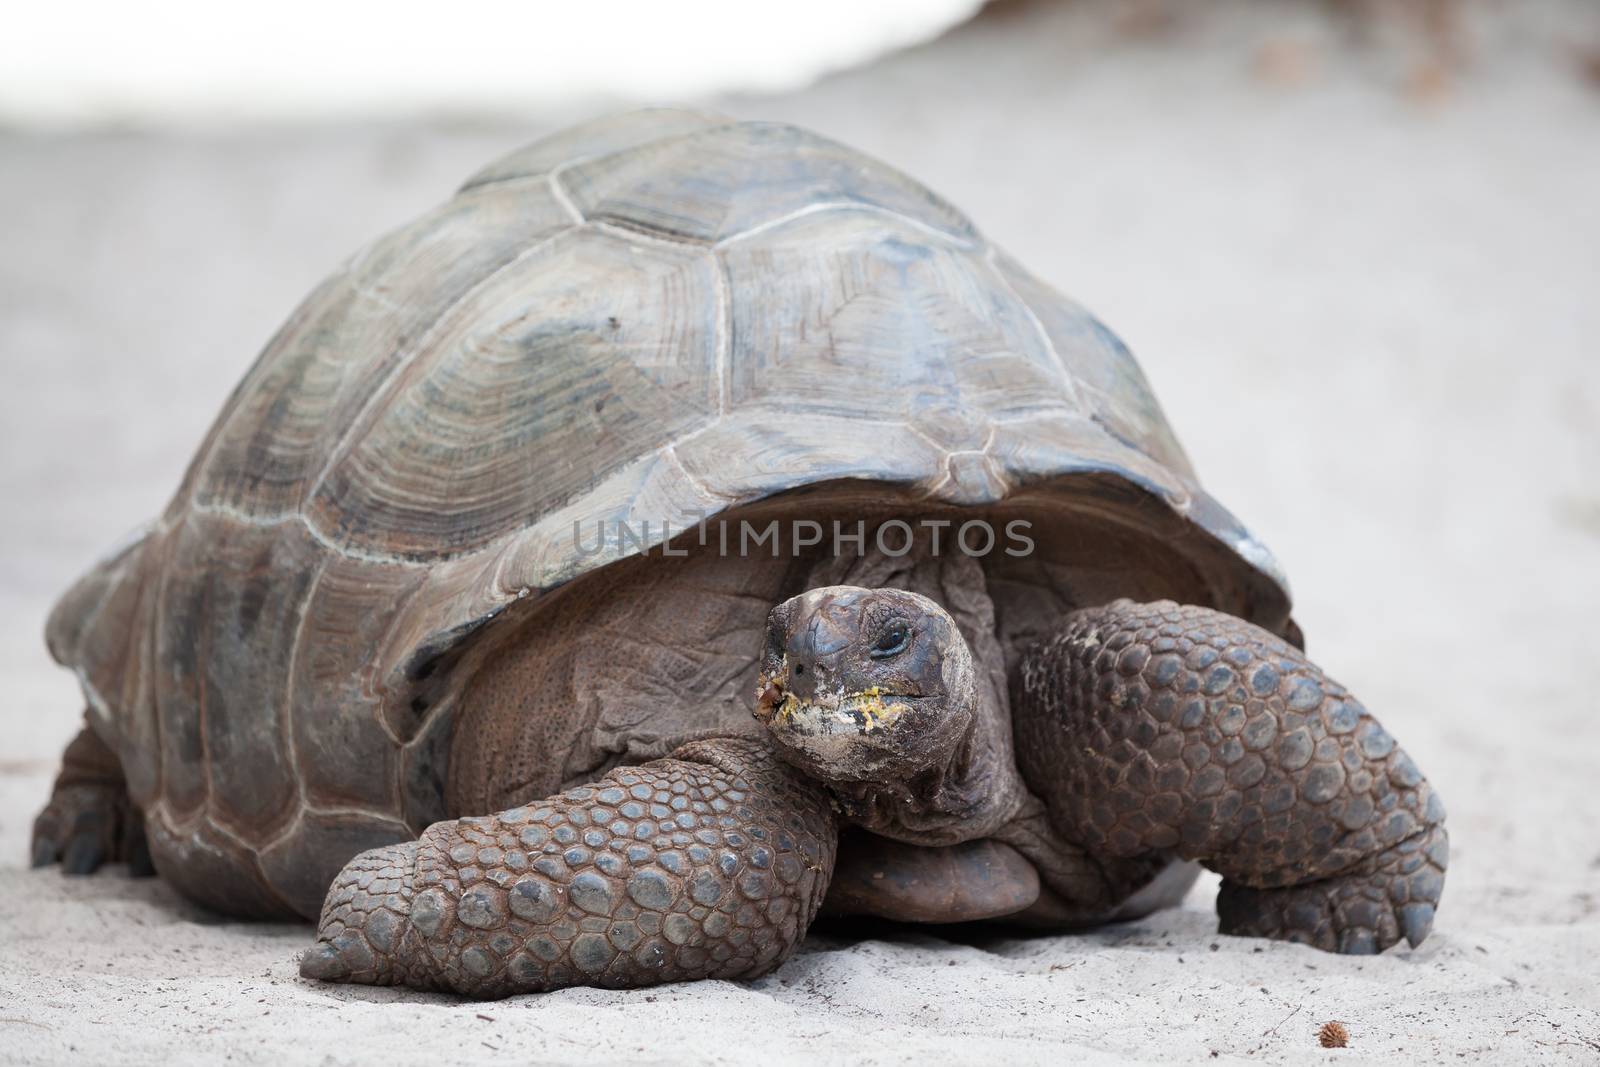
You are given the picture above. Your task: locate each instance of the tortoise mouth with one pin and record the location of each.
(855, 713)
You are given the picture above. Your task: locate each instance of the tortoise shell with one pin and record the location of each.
(654, 317)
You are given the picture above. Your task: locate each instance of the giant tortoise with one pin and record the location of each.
(691, 526)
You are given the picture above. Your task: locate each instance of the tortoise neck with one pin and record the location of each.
(971, 796)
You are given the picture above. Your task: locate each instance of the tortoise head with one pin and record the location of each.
(866, 685)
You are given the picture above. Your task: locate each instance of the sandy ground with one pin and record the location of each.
(1371, 316)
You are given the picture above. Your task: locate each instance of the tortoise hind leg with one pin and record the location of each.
(1155, 729)
(708, 864)
(89, 820)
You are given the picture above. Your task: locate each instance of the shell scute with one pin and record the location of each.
(318, 376)
(343, 744)
(304, 861)
(256, 586)
(1113, 388)
(726, 181)
(587, 354)
(599, 137)
(100, 628)
(856, 316)
(210, 866)
(233, 595)
(182, 646)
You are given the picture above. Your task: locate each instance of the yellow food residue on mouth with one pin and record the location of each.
(868, 709)
(874, 712)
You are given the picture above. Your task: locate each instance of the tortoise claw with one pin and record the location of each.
(1391, 896)
(1415, 922)
(84, 853)
(80, 826)
(323, 962)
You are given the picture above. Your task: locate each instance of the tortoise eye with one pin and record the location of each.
(891, 642)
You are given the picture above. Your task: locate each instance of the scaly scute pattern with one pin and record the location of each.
(1165, 729)
(709, 864)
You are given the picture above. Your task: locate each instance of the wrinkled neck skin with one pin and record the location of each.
(978, 789)
(970, 797)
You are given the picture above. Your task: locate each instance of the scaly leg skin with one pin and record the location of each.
(1155, 729)
(89, 820)
(708, 864)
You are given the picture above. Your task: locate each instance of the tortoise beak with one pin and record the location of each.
(807, 636)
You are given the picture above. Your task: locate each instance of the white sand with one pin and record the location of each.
(1373, 320)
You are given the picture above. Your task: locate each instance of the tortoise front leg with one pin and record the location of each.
(1155, 729)
(708, 864)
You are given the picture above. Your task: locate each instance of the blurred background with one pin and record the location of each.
(1355, 244)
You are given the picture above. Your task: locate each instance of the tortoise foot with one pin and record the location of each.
(1162, 729)
(90, 820)
(85, 827)
(365, 929)
(1394, 895)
